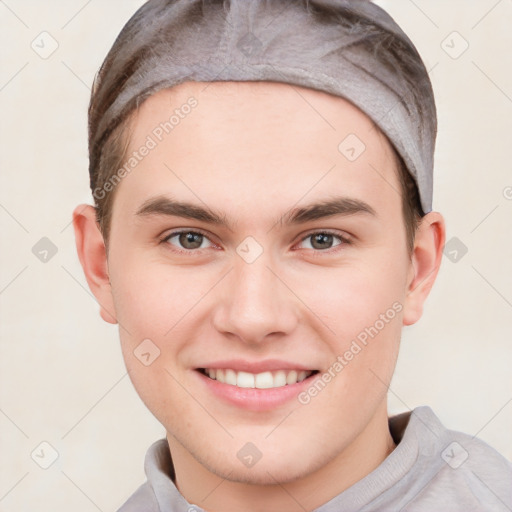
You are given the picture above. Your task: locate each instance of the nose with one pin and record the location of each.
(254, 303)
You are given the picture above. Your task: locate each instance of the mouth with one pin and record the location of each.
(256, 386)
(263, 380)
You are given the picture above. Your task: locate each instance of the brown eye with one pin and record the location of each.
(187, 240)
(322, 241)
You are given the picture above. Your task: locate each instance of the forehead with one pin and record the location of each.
(225, 140)
(264, 110)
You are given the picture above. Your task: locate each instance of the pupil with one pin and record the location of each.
(322, 238)
(191, 240)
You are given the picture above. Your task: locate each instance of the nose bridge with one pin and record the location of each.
(253, 305)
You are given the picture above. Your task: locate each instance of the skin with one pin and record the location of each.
(254, 152)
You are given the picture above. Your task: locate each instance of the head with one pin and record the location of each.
(266, 226)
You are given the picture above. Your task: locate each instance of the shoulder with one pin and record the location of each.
(464, 472)
(476, 466)
(456, 449)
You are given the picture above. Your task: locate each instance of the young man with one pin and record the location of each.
(263, 229)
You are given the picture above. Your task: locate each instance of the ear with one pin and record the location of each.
(92, 253)
(425, 263)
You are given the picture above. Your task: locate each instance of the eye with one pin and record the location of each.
(188, 240)
(322, 240)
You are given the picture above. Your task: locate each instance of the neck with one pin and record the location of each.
(209, 491)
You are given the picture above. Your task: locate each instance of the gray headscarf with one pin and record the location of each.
(349, 48)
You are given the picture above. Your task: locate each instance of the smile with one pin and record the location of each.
(264, 380)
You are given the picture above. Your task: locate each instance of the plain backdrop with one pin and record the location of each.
(62, 377)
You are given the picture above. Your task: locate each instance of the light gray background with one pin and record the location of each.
(62, 378)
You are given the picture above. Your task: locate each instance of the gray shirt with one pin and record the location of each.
(432, 469)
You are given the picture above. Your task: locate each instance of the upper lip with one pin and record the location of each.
(255, 367)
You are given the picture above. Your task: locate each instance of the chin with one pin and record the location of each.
(273, 470)
(264, 475)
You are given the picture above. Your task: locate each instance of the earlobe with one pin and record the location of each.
(92, 254)
(426, 260)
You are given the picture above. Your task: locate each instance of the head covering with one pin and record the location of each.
(348, 48)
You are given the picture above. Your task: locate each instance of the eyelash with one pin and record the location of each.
(344, 240)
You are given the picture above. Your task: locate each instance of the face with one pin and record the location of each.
(259, 250)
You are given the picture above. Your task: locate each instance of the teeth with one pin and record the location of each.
(301, 376)
(279, 379)
(263, 380)
(230, 377)
(291, 378)
(243, 379)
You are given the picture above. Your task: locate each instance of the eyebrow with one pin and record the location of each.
(336, 206)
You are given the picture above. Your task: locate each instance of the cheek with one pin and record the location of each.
(352, 297)
(163, 304)
(151, 298)
(153, 302)
(362, 307)
(366, 319)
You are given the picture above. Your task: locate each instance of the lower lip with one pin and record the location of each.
(254, 399)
